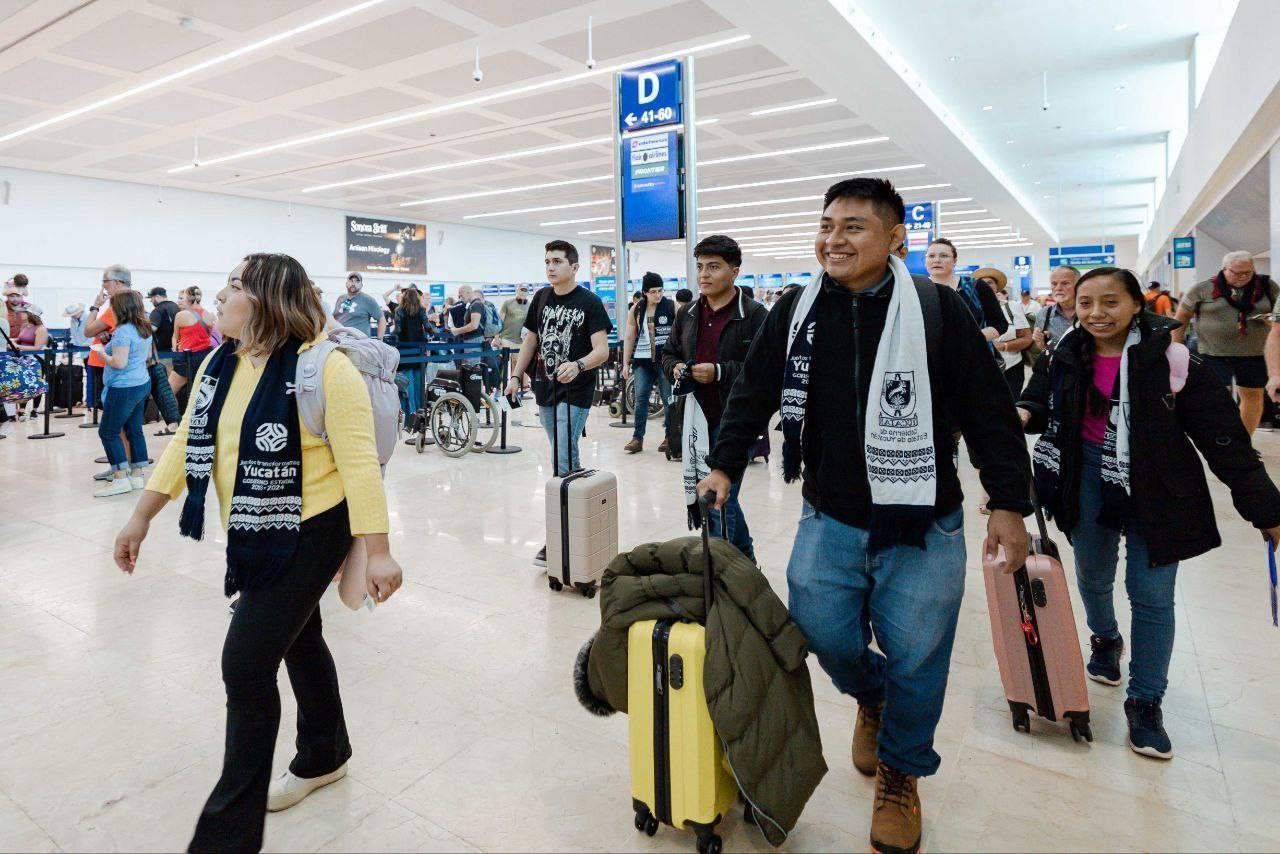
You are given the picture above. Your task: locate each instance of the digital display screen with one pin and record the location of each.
(652, 206)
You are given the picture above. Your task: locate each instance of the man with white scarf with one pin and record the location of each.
(874, 373)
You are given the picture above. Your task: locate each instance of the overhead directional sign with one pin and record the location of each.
(1083, 257)
(649, 96)
(920, 230)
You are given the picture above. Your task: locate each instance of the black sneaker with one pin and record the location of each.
(1104, 663)
(1146, 729)
(540, 559)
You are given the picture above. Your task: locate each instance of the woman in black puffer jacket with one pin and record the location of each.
(1101, 476)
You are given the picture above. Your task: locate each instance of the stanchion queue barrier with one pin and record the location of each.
(68, 405)
(49, 356)
(503, 447)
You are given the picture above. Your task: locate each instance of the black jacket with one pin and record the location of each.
(748, 317)
(162, 323)
(1169, 492)
(969, 395)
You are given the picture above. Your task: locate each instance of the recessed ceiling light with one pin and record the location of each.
(590, 204)
(1120, 27)
(598, 231)
(801, 150)
(963, 212)
(483, 193)
(576, 221)
(972, 221)
(926, 187)
(952, 201)
(827, 175)
(806, 105)
(453, 106)
(192, 69)
(987, 108)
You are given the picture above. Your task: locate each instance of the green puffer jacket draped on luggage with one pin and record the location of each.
(757, 682)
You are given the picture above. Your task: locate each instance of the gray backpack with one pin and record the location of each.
(376, 362)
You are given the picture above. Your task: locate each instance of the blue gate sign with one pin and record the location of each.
(920, 228)
(649, 96)
(651, 198)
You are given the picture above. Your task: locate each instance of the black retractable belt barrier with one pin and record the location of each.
(503, 447)
(49, 357)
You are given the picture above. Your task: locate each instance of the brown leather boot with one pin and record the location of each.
(635, 446)
(895, 818)
(866, 732)
(662, 449)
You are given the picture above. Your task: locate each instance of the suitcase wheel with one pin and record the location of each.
(1080, 729)
(554, 584)
(645, 822)
(709, 844)
(1021, 716)
(587, 590)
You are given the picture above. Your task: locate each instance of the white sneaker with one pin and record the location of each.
(118, 486)
(138, 480)
(288, 789)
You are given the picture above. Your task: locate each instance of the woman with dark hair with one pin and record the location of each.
(126, 386)
(1122, 410)
(291, 502)
(412, 327)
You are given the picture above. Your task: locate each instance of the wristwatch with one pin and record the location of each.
(581, 367)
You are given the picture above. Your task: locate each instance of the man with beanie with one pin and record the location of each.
(649, 324)
(874, 372)
(703, 358)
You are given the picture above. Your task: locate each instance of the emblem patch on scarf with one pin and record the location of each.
(898, 400)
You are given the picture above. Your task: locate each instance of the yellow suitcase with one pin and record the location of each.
(678, 774)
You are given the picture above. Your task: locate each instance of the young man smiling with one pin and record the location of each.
(868, 414)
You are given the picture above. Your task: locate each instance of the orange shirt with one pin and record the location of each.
(107, 316)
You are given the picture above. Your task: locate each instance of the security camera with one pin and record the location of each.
(477, 75)
(591, 63)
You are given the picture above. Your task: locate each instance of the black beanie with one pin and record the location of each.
(650, 280)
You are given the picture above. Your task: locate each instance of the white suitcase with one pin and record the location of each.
(582, 529)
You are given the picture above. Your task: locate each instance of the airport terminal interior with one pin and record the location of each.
(510, 166)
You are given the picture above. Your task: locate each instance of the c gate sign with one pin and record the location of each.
(649, 96)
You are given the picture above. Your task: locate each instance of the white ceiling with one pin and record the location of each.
(402, 56)
(1117, 77)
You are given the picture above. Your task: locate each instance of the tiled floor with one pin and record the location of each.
(466, 732)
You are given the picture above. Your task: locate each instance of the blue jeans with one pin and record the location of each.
(1150, 589)
(122, 408)
(647, 372)
(909, 597)
(739, 534)
(411, 397)
(571, 421)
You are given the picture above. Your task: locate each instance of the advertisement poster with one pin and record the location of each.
(385, 246)
(604, 261)
(436, 290)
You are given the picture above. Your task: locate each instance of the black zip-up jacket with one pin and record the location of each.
(969, 395)
(748, 317)
(1169, 493)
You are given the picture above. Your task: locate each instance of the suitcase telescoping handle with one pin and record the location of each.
(1035, 502)
(705, 503)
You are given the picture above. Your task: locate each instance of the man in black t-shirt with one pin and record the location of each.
(569, 337)
(466, 322)
(163, 311)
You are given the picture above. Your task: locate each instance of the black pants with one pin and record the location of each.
(279, 622)
(1015, 377)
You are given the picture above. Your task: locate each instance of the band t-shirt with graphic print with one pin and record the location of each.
(564, 326)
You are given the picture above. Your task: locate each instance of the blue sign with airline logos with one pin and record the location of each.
(652, 201)
(649, 96)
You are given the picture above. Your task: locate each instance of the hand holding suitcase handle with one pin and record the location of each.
(706, 502)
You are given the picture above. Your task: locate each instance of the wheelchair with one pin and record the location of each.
(457, 412)
(657, 406)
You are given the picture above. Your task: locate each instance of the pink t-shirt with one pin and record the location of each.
(1105, 368)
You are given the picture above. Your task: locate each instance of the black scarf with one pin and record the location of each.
(1247, 298)
(266, 502)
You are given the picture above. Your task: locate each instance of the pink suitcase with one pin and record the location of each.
(1034, 631)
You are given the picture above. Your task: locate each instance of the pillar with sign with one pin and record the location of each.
(920, 231)
(654, 151)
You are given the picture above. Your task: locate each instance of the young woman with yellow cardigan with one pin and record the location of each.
(291, 504)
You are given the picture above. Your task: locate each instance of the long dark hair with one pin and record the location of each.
(1095, 402)
(410, 301)
(127, 306)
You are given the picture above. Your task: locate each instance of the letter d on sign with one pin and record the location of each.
(648, 83)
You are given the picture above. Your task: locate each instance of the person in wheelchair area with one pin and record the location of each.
(649, 324)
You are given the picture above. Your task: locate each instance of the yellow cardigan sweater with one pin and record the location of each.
(344, 467)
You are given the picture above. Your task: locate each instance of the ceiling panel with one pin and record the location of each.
(390, 38)
(267, 78)
(752, 59)
(758, 97)
(12, 111)
(41, 150)
(655, 28)
(361, 105)
(789, 120)
(51, 82)
(449, 124)
(173, 108)
(134, 42)
(133, 164)
(578, 98)
(9, 8)
(179, 151)
(345, 146)
(99, 131)
(234, 14)
(506, 13)
(512, 141)
(501, 69)
(273, 129)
